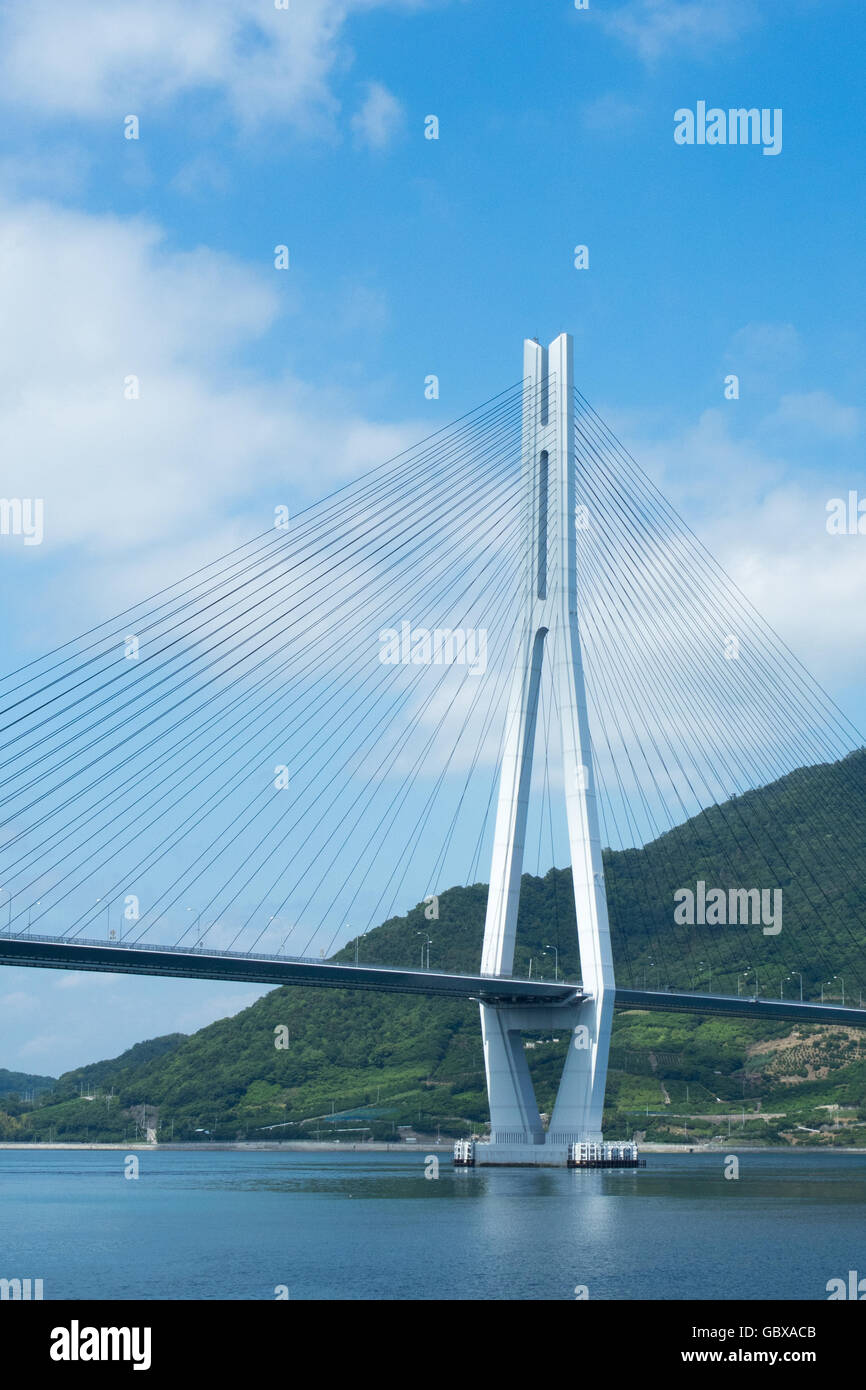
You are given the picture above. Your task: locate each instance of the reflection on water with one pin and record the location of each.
(350, 1226)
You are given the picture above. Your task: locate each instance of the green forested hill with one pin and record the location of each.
(358, 1063)
(17, 1082)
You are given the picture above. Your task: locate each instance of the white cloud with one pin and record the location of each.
(658, 28)
(767, 527)
(817, 412)
(42, 1047)
(166, 479)
(99, 59)
(202, 177)
(767, 347)
(18, 1002)
(378, 119)
(610, 114)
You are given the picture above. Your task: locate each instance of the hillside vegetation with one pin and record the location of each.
(359, 1064)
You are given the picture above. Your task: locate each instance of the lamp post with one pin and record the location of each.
(555, 950)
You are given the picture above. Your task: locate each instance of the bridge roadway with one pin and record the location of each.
(204, 964)
(52, 953)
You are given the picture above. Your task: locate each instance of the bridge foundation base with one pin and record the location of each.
(521, 1155)
(592, 1153)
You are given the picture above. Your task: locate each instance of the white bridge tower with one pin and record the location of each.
(550, 633)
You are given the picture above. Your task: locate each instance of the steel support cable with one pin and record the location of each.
(222, 832)
(826, 809)
(654, 824)
(263, 897)
(114, 638)
(673, 694)
(396, 805)
(608, 701)
(619, 936)
(408, 855)
(184, 642)
(704, 558)
(602, 674)
(659, 847)
(363, 792)
(593, 691)
(423, 589)
(392, 811)
(781, 738)
(335, 680)
(675, 691)
(308, 831)
(125, 765)
(337, 492)
(520, 580)
(411, 503)
(686, 684)
(155, 858)
(410, 506)
(497, 773)
(171, 709)
(507, 676)
(122, 830)
(713, 599)
(506, 729)
(598, 777)
(284, 562)
(673, 697)
(762, 690)
(613, 904)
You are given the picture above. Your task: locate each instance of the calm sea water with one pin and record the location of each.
(236, 1225)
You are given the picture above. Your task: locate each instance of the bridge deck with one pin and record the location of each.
(740, 1006)
(202, 964)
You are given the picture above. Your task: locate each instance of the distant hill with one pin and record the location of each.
(19, 1082)
(363, 1064)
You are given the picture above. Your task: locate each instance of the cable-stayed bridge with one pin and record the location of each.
(502, 646)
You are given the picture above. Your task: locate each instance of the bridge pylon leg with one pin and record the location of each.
(550, 631)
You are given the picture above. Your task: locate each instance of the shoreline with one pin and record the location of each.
(323, 1146)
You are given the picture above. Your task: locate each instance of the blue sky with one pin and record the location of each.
(408, 257)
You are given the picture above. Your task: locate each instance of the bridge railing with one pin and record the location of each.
(253, 955)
